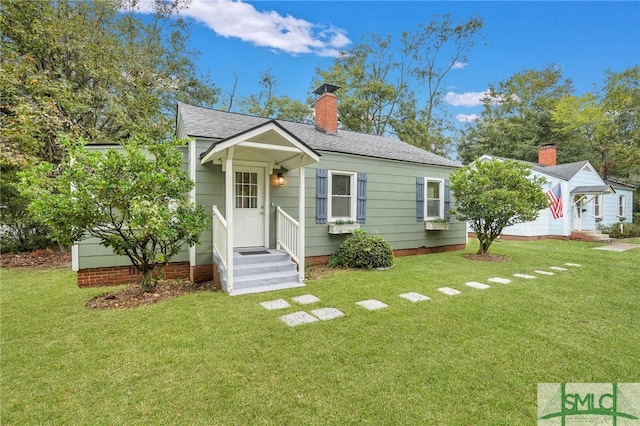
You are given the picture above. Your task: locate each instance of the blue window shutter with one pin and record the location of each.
(361, 206)
(420, 199)
(447, 199)
(321, 195)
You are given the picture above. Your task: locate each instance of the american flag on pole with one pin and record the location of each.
(555, 201)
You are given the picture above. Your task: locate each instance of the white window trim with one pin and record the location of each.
(622, 206)
(426, 199)
(354, 195)
(597, 205)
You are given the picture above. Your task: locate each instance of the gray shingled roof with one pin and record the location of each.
(217, 125)
(562, 171)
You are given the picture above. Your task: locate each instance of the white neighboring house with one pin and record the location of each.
(585, 200)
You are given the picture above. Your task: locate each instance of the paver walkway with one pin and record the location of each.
(618, 247)
(328, 313)
(372, 304)
(449, 291)
(414, 297)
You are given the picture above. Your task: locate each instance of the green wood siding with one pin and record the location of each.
(391, 207)
(391, 204)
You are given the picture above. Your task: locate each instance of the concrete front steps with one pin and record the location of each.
(258, 270)
(594, 236)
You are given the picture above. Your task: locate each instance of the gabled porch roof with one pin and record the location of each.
(593, 190)
(266, 142)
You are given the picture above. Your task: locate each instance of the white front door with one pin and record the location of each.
(248, 183)
(578, 205)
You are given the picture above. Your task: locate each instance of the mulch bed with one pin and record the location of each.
(130, 297)
(46, 258)
(134, 297)
(488, 257)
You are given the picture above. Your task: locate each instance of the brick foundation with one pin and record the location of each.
(115, 275)
(201, 273)
(323, 260)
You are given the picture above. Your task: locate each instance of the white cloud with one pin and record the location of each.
(467, 118)
(268, 29)
(467, 99)
(459, 65)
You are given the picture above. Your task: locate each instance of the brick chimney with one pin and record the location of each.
(547, 155)
(326, 108)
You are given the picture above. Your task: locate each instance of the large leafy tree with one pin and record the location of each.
(606, 125)
(397, 90)
(133, 199)
(491, 195)
(516, 118)
(266, 103)
(91, 70)
(87, 69)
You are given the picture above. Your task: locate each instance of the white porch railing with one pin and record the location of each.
(287, 230)
(219, 229)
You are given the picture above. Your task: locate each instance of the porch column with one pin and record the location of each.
(301, 221)
(228, 204)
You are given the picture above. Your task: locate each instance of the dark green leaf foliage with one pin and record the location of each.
(516, 118)
(91, 69)
(364, 252)
(18, 232)
(133, 199)
(491, 195)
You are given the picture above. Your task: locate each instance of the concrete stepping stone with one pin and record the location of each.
(273, 305)
(557, 268)
(499, 280)
(543, 272)
(477, 285)
(525, 276)
(449, 291)
(414, 297)
(305, 299)
(572, 264)
(326, 314)
(372, 304)
(298, 318)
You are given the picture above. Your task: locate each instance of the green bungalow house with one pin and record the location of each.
(284, 194)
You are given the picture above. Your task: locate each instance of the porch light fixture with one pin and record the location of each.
(280, 179)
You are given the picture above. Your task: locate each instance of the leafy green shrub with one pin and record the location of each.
(629, 230)
(19, 232)
(364, 252)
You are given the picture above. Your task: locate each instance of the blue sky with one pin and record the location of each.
(292, 38)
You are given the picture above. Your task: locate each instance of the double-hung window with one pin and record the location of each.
(434, 198)
(622, 206)
(597, 206)
(342, 196)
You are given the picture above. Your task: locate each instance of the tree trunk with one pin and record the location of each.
(148, 282)
(484, 245)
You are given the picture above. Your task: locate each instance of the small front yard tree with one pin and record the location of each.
(133, 199)
(491, 195)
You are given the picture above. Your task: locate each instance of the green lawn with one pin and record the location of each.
(208, 358)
